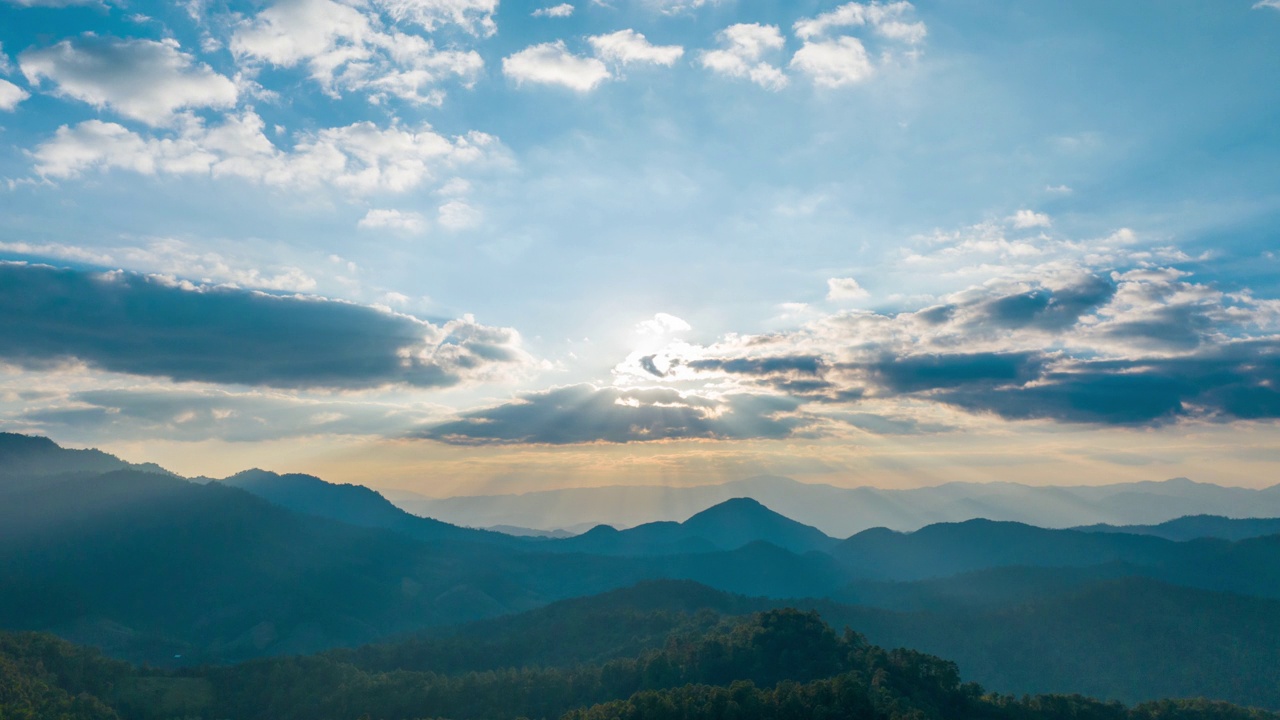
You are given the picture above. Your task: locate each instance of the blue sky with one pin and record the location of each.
(464, 245)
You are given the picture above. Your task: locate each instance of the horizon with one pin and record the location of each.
(476, 248)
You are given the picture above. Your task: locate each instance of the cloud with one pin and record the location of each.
(563, 10)
(360, 158)
(143, 80)
(458, 215)
(552, 64)
(885, 425)
(845, 289)
(834, 63)
(586, 414)
(628, 46)
(885, 20)
(411, 222)
(178, 258)
(662, 324)
(151, 326)
(743, 48)
(346, 49)
(1024, 219)
(1267, 4)
(1236, 381)
(150, 413)
(675, 7)
(474, 16)
(1063, 342)
(11, 95)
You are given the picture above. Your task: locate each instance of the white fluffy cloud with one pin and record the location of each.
(563, 10)
(1024, 219)
(834, 63)
(741, 56)
(552, 64)
(140, 79)
(663, 324)
(410, 222)
(458, 215)
(177, 258)
(845, 289)
(885, 20)
(360, 158)
(346, 49)
(628, 46)
(1267, 4)
(11, 95)
(475, 16)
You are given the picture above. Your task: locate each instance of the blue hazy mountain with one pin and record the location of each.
(951, 548)
(726, 526)
(32, 455)
(150, 566)
(841, 512)
(354, 505)
(1191, 527)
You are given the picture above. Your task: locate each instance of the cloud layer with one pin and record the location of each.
(143, 80)
(128, 323)
(585, 413)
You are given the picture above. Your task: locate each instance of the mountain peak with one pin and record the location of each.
(737, 505)
(739, 521)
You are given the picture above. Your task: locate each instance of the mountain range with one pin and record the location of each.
(156, 568)
(841, 512)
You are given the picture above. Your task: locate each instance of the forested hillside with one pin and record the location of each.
(774, 664)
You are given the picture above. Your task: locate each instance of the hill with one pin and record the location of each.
(842, 512)
(355, 505)
(727, 526)
(781, 663)
(1191, 527)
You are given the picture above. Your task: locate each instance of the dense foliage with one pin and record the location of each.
(775, 664)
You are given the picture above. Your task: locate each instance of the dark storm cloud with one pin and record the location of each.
(1180, 327)
(1050, 310)
(130, 323)
(1238, 381)
(785, 364)
(584, 413)
(915, 373)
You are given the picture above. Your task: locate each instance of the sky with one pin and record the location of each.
(482, 246)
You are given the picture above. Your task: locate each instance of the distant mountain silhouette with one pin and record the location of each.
(31, 455)
(841, 512)
(149, 566)
(1191, 527)
(353, 504)
(951, 548)
(727, 526)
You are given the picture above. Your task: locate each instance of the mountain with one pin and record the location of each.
(951, 548)
(1191, 527)
(775, 662)
(727, 526)
(1128, 639)
(152, 566)
(841, 512)
(354, 505)
(24, 456)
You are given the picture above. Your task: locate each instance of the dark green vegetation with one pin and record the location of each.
(160, 570)
(777, 663)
